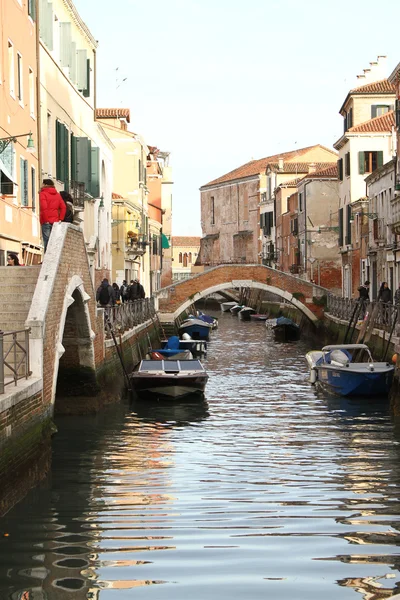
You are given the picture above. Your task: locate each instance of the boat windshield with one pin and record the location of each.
(348, 355)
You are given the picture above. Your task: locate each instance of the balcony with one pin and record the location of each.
(136, 245)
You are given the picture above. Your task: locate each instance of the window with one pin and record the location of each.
(62, 153)
(24, 182)
(33, 188)
(340, 168)
(180, 257)
(185, 260)
(212, 210)
(347, 164)
(369, 161)
(246, 206)
(19, 77)
(379, 109)
(31, 93)
(190, 257)
(11, 69)
(348, 224)
(49, 145)
(340, 226)
(348, 120)
(32, 9)
(301, 202)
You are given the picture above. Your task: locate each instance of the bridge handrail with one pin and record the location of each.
(123, 317)
(343, 308)
(9, 358)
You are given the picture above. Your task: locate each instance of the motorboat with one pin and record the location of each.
(226, 306)
(246, 313)
(174, 346)
(349, 370)
(286, 330)
(196, 328)
(237, 308)
(169, 379)
(207, 319)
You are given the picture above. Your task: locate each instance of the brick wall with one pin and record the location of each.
(179, 293)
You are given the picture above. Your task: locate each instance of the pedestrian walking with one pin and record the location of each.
(52, 209)
(105, 294)
(69, 205)
(363, 298)
(385, 296)
(117, 293)
(124, 291)
(136, 290)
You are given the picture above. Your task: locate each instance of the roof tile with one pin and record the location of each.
(113, 113)
(182, 240)
(384, 123)
(377, 87)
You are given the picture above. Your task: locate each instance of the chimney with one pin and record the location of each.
(312, 167)
(375, 72)
(280, 164)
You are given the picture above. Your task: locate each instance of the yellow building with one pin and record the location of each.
(185, 250)
(130, 219)
(19, 212)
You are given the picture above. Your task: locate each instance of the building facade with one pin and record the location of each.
(76, 152)
(185, 250)
(19, 133)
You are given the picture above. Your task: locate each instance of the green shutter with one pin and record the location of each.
(361, 163)
(373, 111)
(66, 159)
(340, 226)
(340, 168)
(86, 91)
(82, 161)
(58, 150)
(95, 171)
(32, 9)
(65, 44)
(73, 158)
(379, 159)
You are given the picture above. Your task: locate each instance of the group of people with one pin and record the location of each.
(110, 295)
(384, 295)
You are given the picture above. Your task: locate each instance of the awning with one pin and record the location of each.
(164, 242)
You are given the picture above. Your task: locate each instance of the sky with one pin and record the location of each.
(221, 82)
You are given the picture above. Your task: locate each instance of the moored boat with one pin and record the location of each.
(286, 330)
(235, 309)
(208, 319)
(226, 306)
(196, 328)
(246, 313)
(349, 370)
(169, 379)
(259, 317)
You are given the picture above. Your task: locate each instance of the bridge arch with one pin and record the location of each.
(176, 298)
(66, 331)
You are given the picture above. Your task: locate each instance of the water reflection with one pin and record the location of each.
(267, 489)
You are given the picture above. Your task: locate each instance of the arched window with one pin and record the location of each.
(185, 260)
(190, 257)
(180, 257)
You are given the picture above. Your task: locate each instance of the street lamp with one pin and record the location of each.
(5, 142)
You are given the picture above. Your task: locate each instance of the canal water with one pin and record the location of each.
(265, 490)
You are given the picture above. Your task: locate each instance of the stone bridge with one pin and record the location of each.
(174, 299)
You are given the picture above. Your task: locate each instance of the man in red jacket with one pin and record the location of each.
(52, 209)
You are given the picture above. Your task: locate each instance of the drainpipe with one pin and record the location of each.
(38, 103)
(305, 227)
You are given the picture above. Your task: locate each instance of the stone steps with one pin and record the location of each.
(17, 286)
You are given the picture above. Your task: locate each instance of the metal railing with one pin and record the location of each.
(14, 357)
(343, 308)
(123, 317)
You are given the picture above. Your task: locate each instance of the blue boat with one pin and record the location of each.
(197, 329)
(174, 346)
(349, 370)
(207, 319)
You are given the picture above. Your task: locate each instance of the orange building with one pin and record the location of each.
(19, 164)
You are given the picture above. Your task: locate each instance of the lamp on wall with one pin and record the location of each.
(5, 142)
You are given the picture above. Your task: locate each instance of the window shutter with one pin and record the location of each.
(95, 167)
(81, 62)
(83, 171)
(340, 226)
(58, 150)
(86, 91)
(361, 163)
(73, 158)
(340, 169)
(398, 114)
(373, 111)
(32, 9)
(379, 159)
(348, 224)
(65, 44)
(350, 122)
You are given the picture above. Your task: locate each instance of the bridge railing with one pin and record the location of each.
(123, 317)
(14, 357)
(343, 308)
